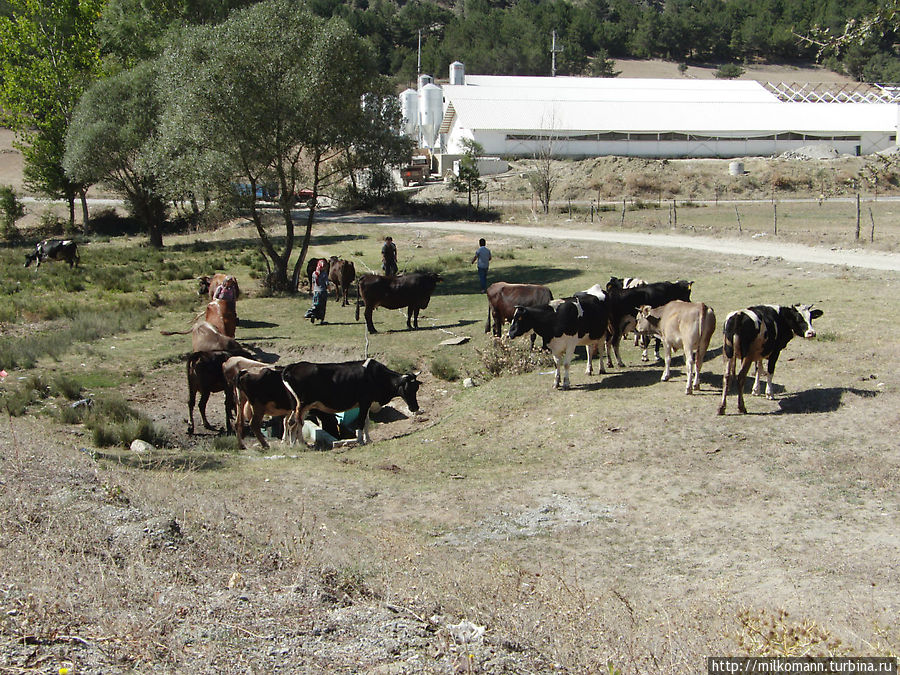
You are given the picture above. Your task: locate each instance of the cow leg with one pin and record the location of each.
(770, 372)
(229, 408)
(556, 360)
(755, 390)
(667, 372)
(533, 338)
(741, 382)
(239, 420)
(689, 365)
(192, 397)
(727, 376)
(645, 343)
(255, 423)
(204, 397)
(368, 314)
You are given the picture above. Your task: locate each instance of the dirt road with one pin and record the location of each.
(800, 253)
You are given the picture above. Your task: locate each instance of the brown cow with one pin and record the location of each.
(680, 325)
(205, 376)
(207, 338)
(341, 273)
(220, 315)
(209, 284)
(311, 265)
(503, 299)
(412, 291)
(262, 392)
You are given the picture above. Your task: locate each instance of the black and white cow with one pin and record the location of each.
(336, 387)
(261, 392)
(760, 332)
(625, 305)
(54, 249)
(565, 324)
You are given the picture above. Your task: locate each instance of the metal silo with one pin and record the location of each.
(431, 112)
(409, 108)
(425, 80)
(457, 73)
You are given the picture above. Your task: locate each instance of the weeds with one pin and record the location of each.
(765, 634)
(443, 369)
(505, 357)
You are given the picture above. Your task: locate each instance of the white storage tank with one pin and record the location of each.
(409, 108)
(457, 73)
(431, 112)
(425, 80)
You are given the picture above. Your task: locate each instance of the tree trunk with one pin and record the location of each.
(85, 216)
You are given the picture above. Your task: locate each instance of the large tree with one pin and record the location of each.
(48, 56)
(270, 96)
(108, 141)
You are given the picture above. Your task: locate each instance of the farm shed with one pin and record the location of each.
(587, 117)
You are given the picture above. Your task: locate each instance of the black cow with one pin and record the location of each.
(406, 290)
(336, 387)
(311, 265)
(625, 305)
(54, 249)
(760, 332)
(204, 375)
(563, 325)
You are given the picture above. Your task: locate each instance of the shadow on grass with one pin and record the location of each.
(250, 323)
(194, 461)
(823, 400)
(423, 327)
(465, 282)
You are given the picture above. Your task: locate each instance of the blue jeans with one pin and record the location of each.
(482, 277)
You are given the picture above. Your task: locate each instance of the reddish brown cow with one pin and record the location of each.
(503, 298)
(221, 316)
(680, 325)
(207, 338)
(341, 273)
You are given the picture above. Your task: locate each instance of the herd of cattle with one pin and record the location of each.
(596, 318)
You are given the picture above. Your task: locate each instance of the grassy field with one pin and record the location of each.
(620, 526)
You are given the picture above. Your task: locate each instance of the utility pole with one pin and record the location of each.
(553, 52)
(419, 56)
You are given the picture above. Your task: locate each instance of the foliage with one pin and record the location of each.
(443, 369)
(107, 140)
(272, 95)
(729, 71)
(48, 55)
(468, 179)
(11, 209)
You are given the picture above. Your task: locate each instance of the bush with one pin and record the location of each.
(443, 369)
(11, 209)
(729, 71)
(506, 357)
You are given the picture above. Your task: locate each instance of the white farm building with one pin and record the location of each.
(587, 117)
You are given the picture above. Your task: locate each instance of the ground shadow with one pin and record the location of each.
(423, 327)
(198, 461)
(249, 323)
(627, 379)
(332, 239)
(465, 282)
(822, 400)
(388, 414)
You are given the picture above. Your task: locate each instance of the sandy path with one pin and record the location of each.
(876, 260)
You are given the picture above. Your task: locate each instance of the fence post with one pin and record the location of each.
(737, 213)
(872, 218)
(857, 216)
(775, 215)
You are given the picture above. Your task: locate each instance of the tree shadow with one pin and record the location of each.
(827, 399)
(422, 328)
(465, 282)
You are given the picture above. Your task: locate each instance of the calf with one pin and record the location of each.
(412, 291)
(54, 249)
(624, 306)
(205, 376)
(563, 325)
(342, 273)
(262, 392)
(503, 298)
(760, 332)
(680, 325)
(336, 387)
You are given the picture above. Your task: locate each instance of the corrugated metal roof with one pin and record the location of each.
(632, 105)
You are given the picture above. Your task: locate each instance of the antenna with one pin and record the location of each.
(419, 55)
(554, 50)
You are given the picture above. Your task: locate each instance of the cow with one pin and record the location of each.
(624, 306)
(261, 392)
(234, 365)
(209, 284)
(563, 325)
(760, 332)
(680, 325)
(221, 316)
(207, 338)
(336, 387)
(54, 249)
(342, 273)
(620, 284)
(205, 376)
(503, 299)
(406, 290)
(311, 265)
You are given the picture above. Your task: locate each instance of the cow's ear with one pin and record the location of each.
(816, 313)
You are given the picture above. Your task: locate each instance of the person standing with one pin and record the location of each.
(389, 257)
(320, 294)
(482, 258)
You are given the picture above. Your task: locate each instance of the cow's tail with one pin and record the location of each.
(358, 300)
(293, 418)
(487, 325)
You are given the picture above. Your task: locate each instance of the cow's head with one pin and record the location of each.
(30, 258)
(203, 288)
(800, 318)
(614, 284)
(645, 322)
(521, 322)
(409, 385)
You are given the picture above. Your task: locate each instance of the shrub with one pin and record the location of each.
(443, 369)
(11, 209)
(506, 357)
(66, 386)
(729, 71)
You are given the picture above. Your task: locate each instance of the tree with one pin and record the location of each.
(108, 140)
(11, 209)
(48, 56)
(468, 179)
(543, 179)
(271, 95)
